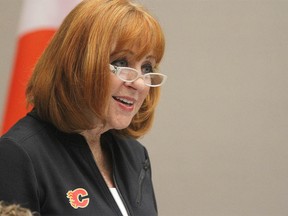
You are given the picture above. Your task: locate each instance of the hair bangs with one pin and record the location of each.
(140, 31)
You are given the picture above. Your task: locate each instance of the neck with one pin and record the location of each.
(101, 156)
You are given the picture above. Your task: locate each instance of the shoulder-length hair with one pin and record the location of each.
(71, 79)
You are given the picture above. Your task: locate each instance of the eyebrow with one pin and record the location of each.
(130, 52)
(151, 57)
(122, 51)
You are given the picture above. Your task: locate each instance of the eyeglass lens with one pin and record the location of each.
(150, 79)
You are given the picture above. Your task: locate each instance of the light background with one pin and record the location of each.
(219, 143)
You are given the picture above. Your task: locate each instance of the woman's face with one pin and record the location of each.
(127, 98)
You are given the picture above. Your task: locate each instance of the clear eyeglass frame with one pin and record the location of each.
(128, 74)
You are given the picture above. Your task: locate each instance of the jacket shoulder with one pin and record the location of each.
(24, 129)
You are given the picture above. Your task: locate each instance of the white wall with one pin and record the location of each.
(9, 18)
(219, 144)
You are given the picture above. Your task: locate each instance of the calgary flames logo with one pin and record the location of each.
(78, 198)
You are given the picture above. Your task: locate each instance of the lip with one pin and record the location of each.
(123, 106)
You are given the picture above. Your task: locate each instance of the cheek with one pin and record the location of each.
(144, 94)
(115, 83)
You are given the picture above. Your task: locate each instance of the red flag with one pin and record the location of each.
(39, 21)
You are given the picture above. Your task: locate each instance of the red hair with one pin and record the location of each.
(70, 80)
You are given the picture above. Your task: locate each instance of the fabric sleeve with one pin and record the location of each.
(18, 183)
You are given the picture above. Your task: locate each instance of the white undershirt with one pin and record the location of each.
(118, 200)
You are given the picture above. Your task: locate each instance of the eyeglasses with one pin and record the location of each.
(129, 75)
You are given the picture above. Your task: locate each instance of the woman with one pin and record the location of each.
(93, 92)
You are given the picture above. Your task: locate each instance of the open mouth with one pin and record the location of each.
(124, 101)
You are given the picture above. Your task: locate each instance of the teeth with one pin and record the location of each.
(124, 100)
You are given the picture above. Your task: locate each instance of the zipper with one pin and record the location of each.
(115, 182)
(120, 195)
(145, 168)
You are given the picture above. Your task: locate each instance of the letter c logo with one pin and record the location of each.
(78, 198)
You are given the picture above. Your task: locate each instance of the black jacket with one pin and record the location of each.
(54, 173)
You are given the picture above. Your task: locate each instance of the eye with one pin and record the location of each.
(147, 68)
(120, 63)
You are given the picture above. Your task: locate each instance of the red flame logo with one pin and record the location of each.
(78, 198)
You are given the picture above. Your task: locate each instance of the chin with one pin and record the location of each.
(120, 124)
(121, 127)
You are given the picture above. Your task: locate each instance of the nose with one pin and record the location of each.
(138, 84)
